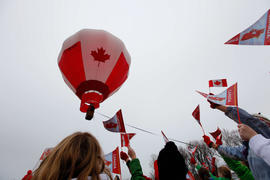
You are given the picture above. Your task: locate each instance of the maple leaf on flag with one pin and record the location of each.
(254, 33)
(116, 123)
(107, 163)
(110, 125)
(100, 55)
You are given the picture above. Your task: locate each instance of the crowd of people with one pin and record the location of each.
(79, 156)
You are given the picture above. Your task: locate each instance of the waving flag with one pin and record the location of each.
(45, 153)
(164, 137)
(227, 97)
(116, 123)
(196, 114)
(125, 137)
(193, 150)
(216, 133)
(112, 161)
(256, 34)
(190, 176)
(218, 83)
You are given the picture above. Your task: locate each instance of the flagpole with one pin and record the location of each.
(238, 115)
(203, 130)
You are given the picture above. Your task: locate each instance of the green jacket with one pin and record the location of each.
(241, 170)
(136, 170)
(212, 176)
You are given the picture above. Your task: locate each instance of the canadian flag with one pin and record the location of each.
(218, 83)
(125, 137)
(216, 133)
(164, 137)
(190, 176)
(116, 123)
(226, 98)
(192, 150)
(196, 114)
(112, 161)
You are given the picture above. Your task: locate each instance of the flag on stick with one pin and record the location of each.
(112, 161)
(216, 133)
(227, 97)
(256, 34)
(218, 83)
(125, 137)
(116, 123)
(196, 115)
(193, 150)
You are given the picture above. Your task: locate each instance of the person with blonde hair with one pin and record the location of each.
(78, 156)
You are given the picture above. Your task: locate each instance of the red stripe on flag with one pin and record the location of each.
(121, 121)
(267, 30)
(211, 83)
(224, 82)
(234, 40)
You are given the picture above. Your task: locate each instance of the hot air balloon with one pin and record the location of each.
(94, 64)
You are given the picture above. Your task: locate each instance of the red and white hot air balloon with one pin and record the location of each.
(94, 65)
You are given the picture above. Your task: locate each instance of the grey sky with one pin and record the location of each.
(175, 48)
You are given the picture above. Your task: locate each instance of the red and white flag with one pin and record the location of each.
(218, 83)
(196, 114)
(190, 176)
(256, 34)
(112, 161)
(192, 150)
(216, 133)
(45, 154)
(227, 97)
(164, 137)
(116, 123)
(125, 137)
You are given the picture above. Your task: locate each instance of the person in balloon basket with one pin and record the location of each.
(78, 156)
(133, 165)
(258, 166)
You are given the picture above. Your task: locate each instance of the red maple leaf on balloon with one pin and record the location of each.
(100, 55)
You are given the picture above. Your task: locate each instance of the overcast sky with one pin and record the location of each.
(175, 47)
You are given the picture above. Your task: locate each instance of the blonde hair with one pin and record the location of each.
(77, 156)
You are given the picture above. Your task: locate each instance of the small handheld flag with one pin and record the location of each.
(125, 137)
(116, 123)
(218, 83)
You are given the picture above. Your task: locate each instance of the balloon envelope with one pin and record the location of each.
(94, 64)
